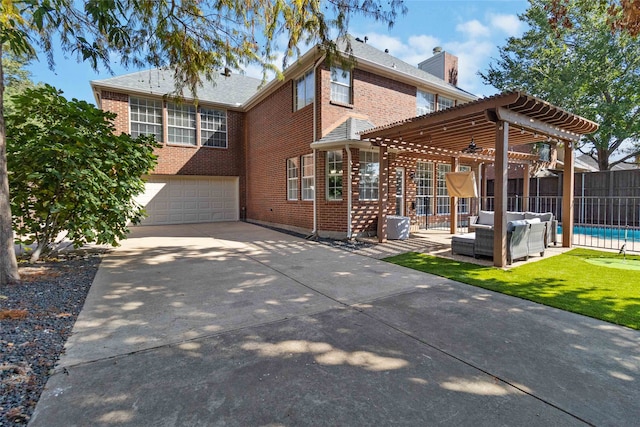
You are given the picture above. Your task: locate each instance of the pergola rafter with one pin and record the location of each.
(496, 124)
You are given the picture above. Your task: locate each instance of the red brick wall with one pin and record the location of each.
(381, 101)
(378, 98)
(187, 160)
(275, 133)
(332, 214)
(117, 103)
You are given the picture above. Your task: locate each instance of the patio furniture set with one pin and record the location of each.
(528, 233)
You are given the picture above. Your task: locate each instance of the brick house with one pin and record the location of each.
(289, 154)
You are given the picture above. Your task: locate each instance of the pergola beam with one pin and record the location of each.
(533, 125)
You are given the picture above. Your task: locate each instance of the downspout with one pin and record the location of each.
(349, 202)
(314, 232)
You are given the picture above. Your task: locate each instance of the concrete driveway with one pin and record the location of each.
(234, 324)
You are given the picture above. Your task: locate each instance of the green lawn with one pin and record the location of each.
(564, 281)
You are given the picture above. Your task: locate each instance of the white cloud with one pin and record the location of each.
(508, 24)
(383, 41)
(472, 56)
(420, 48)
(417, 49)
(473, 29)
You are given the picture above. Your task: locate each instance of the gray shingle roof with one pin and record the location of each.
(237, 89)
(372, 54)
(234, 90)
(348, 130)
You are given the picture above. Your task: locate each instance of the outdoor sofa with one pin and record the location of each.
(484, 220)
(524, 239)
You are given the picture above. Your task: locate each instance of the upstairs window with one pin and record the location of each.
(444, 103)
(181, 127)
(340, 85)
(305, 90)
(145, 117)
(213, 128)
(425, 103)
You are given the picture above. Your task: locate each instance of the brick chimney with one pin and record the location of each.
(442, 65)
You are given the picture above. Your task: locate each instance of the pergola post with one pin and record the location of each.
(383, 194)
(453, 201)
(500, 191)
(525, 187)
(567, 195)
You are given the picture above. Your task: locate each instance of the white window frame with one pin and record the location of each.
(182, 118)
(306, 87)
(425, 103)
(152, 108)
(424, 188)
(443, 204)
(213, 124)
(334, 165)
(308, 177)
(369, 175)
(444, 103)
(292, 178)
(341, 80)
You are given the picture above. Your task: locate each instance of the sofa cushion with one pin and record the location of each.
(532, 220)
(485, 218)
(511, 225)
(514, 216)
(546, 216)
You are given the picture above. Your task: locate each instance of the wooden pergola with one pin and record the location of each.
(495, 124)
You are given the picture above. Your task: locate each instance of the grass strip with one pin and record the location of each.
(565, 281)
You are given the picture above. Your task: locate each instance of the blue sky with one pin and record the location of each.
(471, 30)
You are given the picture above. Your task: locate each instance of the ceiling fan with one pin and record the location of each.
(472, 148)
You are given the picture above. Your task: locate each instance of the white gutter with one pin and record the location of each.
(349, 202)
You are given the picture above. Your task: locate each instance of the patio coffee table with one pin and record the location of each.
(463, 244)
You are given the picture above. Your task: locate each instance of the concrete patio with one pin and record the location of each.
(235, 324)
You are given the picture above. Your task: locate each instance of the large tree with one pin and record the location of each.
(624, 15)
(71, 174)
(583, 66)
(194, 37)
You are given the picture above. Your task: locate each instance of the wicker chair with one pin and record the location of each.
(523, 240)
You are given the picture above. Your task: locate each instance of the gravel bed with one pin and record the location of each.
(36, 318)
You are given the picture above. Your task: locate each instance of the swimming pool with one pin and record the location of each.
(606, 232)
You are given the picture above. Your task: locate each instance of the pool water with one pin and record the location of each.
(614, 233)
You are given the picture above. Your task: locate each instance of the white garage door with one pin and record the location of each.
(182, 200)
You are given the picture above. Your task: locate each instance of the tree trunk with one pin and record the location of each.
(8, 263)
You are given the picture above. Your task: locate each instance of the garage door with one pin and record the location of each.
(182, 200)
